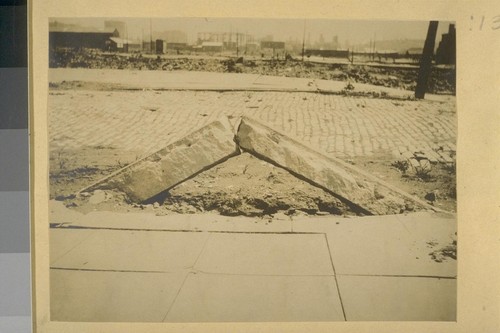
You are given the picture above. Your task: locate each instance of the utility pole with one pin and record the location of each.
(370, 48)
(246, 42)
(126, 38)
(150, 35)
(303, 40)
(426, 60)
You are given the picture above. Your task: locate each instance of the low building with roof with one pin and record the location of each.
(117, 44)
(78, 37)
(211, 46)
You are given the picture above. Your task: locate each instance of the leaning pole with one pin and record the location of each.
(426, 60)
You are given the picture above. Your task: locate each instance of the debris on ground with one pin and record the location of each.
(245, 185)
(445, 253)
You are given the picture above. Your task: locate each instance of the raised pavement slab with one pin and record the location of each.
(173, 164)
(367, 194)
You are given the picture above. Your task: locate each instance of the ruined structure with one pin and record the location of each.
(149, 179)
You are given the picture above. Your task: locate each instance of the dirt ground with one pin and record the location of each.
(437, 186)
(243, 185)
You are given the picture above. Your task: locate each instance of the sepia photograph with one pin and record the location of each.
(206, 170)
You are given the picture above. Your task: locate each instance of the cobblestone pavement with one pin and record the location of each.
(342, 126)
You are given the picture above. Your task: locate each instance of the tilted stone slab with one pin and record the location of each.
(173, 164)
(368, 193)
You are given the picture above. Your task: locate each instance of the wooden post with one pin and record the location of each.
(426, 60)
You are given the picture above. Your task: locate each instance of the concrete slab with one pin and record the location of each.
(135, 251)
(369, 194)
(173, 164)
(268, 144)
(268, 254)
(330, 223)
(428, 224)
(192, 80)
(112, 296)
(370, 298)
(193, 222)
(153, 79)
(268, 82)
(224, 298)
(385, 246)
(59, 213)
(61, 241)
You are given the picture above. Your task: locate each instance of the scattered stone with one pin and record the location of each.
(263, 189)
(447, 252)
(97, 197)
(431, 196)
(425, 164)
(409, 207)
(414, 163)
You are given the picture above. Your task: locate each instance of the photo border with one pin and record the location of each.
(478, 180)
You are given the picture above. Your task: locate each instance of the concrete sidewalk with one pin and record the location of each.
(209, 268)
(212, 81)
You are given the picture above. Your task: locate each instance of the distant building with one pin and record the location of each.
(327, 53)
(251, 47)
(177, 46)
(118, 25)
(211, 46)
(446, 51)
(272, 45)
(229, 40)
(269, 48)
(77, 37)
(414, 53)
(149, 46)
(160, 46)
(117, 44)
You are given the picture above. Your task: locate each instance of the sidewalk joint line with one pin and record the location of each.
(77, 227)
(176, 295)
(201, 251)
(105, 270)
(335, 277)
(263, 275)
(403, 276)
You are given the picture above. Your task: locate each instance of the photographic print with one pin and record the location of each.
(251, 170)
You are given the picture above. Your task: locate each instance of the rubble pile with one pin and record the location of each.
(441, 81)
(247, 186)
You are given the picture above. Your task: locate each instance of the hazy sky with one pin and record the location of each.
(356, 32)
